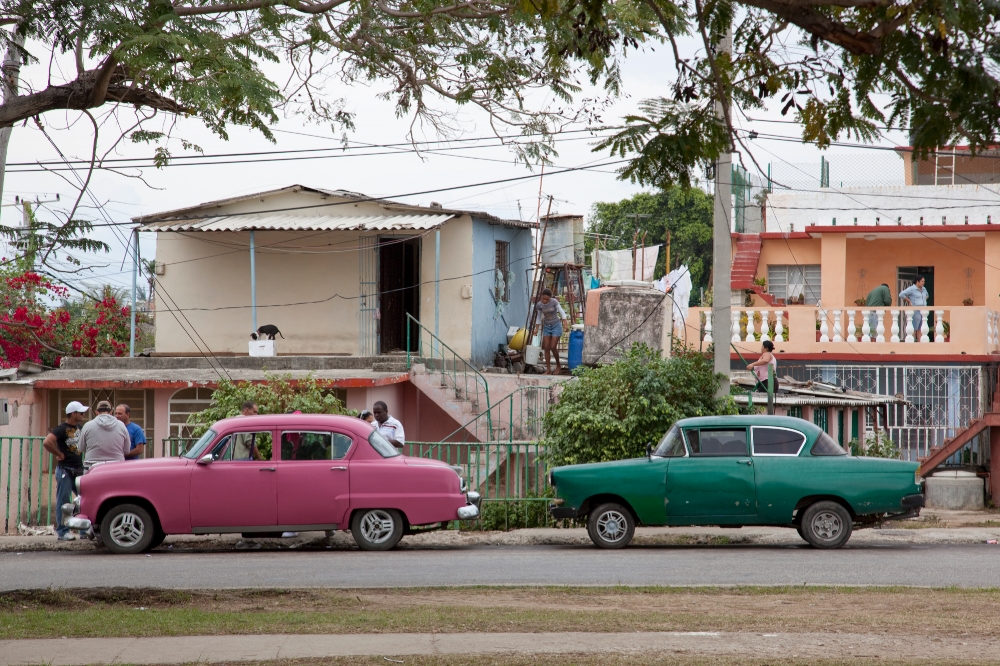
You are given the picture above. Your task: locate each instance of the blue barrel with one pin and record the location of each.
(575, 349)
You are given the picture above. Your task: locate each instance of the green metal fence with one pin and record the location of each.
(27, 483)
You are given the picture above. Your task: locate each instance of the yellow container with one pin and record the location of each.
(517, 342)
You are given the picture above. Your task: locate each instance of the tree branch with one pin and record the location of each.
(802, 14)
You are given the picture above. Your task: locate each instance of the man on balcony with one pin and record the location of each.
(916, 295)
(879, 297)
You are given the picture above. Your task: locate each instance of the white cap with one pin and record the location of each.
(76, 407)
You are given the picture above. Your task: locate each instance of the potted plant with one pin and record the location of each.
(967, 301)
(860, 301)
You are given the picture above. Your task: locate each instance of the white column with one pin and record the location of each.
(779, 328)
(708, 327)
(989, 327)
(996, 328)
(765, 326)
(837, 337)
(852, 330)
(939, 326)
(925, 326)
(866, 326)
(880, 326)
(735, 326)
(751, 327)
(824, 329)
(895, 325)
(908, 314)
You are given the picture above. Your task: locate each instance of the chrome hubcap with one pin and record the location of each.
(611, 526)
(377, 526)
(127, 529)
(827, 525)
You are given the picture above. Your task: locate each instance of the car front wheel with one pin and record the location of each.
(826, 525)
(128, 529)
(377, 529)
(611, 526)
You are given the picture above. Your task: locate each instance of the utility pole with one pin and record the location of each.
(28, 239)
(722, 243)
(10, 76)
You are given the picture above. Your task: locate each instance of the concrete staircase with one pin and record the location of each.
(459, 401)
(745, 266)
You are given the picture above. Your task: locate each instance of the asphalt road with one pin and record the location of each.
(925, 565)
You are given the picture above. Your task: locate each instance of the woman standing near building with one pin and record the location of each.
(760, 366)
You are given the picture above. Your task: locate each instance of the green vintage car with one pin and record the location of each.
(739, 470)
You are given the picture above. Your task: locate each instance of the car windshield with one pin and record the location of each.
(672, 444)
(382, 445)
(199, 447)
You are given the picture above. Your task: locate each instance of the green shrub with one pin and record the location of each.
(611, 411)
(876, 446)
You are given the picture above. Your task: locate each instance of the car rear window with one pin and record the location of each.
(777, 442)
(827, 446)
(717, 441)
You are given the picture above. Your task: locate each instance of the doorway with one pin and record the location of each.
(399, 292)
(907, 275)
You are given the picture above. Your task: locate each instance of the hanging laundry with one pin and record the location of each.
(617, 264)
(680, 280)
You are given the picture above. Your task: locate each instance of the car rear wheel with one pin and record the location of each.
(611, 526)
(128, 529)
(826, 525)
(377, 529)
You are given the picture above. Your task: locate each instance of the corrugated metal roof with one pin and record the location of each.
(279, 222)
(760, 399)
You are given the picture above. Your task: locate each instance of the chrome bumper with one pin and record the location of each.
(81, 525)
(468, 512)
(473, 497)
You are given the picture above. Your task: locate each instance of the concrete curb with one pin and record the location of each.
(215, 649)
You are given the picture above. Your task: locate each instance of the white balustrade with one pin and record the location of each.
(837, 337)
(925, 326)
(880, 326)
(895, 325)
(736, 326)
(989, 327)
(939, 326)
(852, 330)
(751, 327)
(779, 328)
(908, 315)
(824, 330)
(765, 327)
(866, 327)
(996, 329)
(708, 328)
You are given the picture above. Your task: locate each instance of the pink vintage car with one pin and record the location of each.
(264, 475)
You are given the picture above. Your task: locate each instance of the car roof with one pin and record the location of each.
(751, 420)
(309, 421)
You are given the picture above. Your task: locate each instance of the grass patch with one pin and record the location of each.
(150, 612)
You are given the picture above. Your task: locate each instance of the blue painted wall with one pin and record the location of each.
(489, 325)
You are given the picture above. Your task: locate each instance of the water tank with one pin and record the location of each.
(575, 356)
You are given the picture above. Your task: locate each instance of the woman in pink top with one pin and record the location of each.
(759, 367)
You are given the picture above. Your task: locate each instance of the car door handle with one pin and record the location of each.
(744, 462)
(269, 469)
(338, 469)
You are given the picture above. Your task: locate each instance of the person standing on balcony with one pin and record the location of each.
(553, 318)
(760, 366)
(879, 297)
(388, 427)
(61, 442)
(916, 295)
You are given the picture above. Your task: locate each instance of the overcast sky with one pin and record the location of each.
(646, 74)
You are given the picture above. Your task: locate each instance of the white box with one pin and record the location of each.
(263, 348)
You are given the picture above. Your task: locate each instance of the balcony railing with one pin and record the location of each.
(969, 330)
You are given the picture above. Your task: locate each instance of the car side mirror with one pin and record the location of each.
(649, 451)
(206, 459)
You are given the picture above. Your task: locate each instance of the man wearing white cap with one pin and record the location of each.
(63, 442)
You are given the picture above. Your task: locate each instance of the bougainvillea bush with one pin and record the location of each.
(34, 328)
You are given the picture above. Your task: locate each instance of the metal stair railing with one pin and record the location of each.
(515, 417)
(467, 382)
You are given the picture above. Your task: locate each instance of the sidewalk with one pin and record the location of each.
(933, 527)
(215, 649)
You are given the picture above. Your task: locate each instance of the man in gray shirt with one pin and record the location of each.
(916, 295)
(105, 438)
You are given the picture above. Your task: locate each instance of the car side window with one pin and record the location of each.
(243, 446)
(301, 445)
(705, 442)
(777, 442)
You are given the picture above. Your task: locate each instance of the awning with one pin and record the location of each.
(303, 223)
